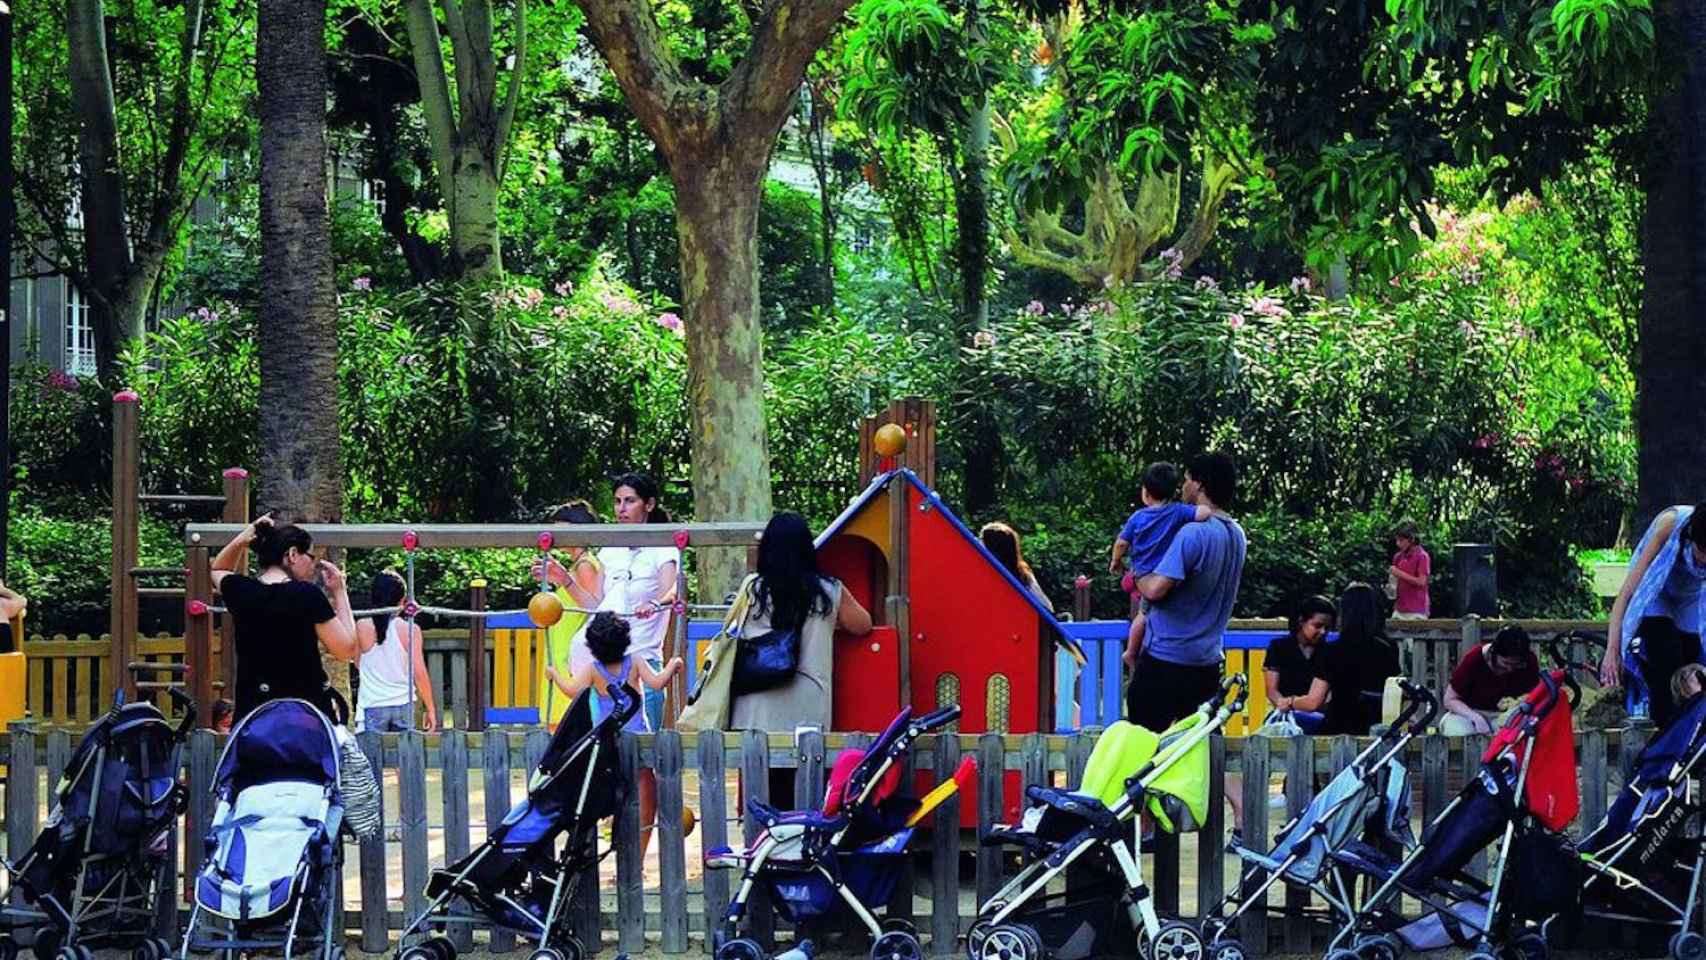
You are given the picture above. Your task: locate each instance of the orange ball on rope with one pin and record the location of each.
(544, 610)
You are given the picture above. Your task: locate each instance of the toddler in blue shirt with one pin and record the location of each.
(1144, 540)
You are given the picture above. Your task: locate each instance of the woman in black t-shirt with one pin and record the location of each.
(282, 617)
(1296, 665)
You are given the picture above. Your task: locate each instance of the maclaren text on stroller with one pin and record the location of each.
(1523, 795)
(273, 847)
(1130, 770)
(517, 879)
(850, 853)
(1646, 859)
(92, 877)
(1366, 803)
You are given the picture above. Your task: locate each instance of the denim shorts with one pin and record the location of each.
(397, 719)
(654, 700)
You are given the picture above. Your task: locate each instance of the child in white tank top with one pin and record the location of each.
(390, 650)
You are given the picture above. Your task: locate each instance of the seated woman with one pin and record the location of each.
(1359, 661)
(1297, 671)
(1295, 668)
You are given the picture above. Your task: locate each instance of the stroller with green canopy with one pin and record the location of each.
(1097, 828)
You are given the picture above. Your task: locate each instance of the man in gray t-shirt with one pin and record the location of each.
(1191, 595)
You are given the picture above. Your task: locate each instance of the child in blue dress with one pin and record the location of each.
(612, 665)
(1144, 540)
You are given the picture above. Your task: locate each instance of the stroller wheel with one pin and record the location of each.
(1688, 945)
(1380, 946)
(740, 948)
(1481, 953)
(1343, 954)
(47, 943)
(1527, 946)
(164, 946)
(1226, 950)
(420, 951)
(441, 947)
(1010, 941)
(897, 945)
(1560, 931)
(1177, 940)
(146, 950)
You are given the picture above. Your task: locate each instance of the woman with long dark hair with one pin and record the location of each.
(282, 617)
(390, 653)
(1362, 659)
(636, 583)
(1003, 541)
(789, 593)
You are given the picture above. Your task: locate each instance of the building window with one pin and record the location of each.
(373, 194)
(79, 333)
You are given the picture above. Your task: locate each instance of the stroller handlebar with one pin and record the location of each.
(1561, 655)
(184, 700)
(1420, 699)
(1237, 686)
(937, 718)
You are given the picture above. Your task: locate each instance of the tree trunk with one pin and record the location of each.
(717, 203)
(1670, 421)
(475, 248)
(106, 229)
(301, 472)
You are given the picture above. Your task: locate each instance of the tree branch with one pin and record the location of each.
(161, 218)
(768, 77)
(427, 50)
(664, 100)
(506, 116)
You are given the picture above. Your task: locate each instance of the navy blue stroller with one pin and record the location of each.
(518, 879)
(92, 878)
(273, 850)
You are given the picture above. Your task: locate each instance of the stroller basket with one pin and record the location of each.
(869, 873)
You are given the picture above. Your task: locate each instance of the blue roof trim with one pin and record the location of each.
(936, 503)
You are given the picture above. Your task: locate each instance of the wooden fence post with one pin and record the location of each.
(123, 623)
(755, 783)
(991, 783)
(945, 855)
(478, 686)
(1254, 924)
(21, 796)
(198, 636)
(714, 828)
(453, 754)
(374, 904)
(1081, 598)
(1299, 790)
(1211, 841)
(672, 839)
(412, 818)
(236, 510)
(497, 807)
(630, 875)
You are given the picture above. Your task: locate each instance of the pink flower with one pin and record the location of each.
(60, 380)
(1206, 282)
(618, 303)
(1035, 308)
(1235, 320)
(669, 321)
(983, 339)
(1484, 441)
(1300, 286)
(1269, 307)
(1174, 262)
(362, 283)
(1467, 328)
(1108, 307)
(559, 311)
(529, 298)
(564, 289)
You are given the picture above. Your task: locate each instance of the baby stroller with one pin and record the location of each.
(1097, 827)
(93, 875)
(517, 879)
(273, 852)
(1644, 860)
(1524, 794)
(850, 852)
(1368, 803)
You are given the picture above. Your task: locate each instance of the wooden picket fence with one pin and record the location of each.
(701, 770)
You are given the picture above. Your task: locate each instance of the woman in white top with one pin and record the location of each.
(390, 647)
(637, 583)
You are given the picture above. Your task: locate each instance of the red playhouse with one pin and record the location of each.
(953, 625)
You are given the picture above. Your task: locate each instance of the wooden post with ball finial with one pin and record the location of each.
(913, 419)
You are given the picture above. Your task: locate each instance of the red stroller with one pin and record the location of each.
(1523, 797)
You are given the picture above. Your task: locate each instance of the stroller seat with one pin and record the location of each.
(262, 845)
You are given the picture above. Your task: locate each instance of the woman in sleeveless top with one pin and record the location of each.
(390, 651)
(790, 594)
(1659, 603)
(576, 585)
